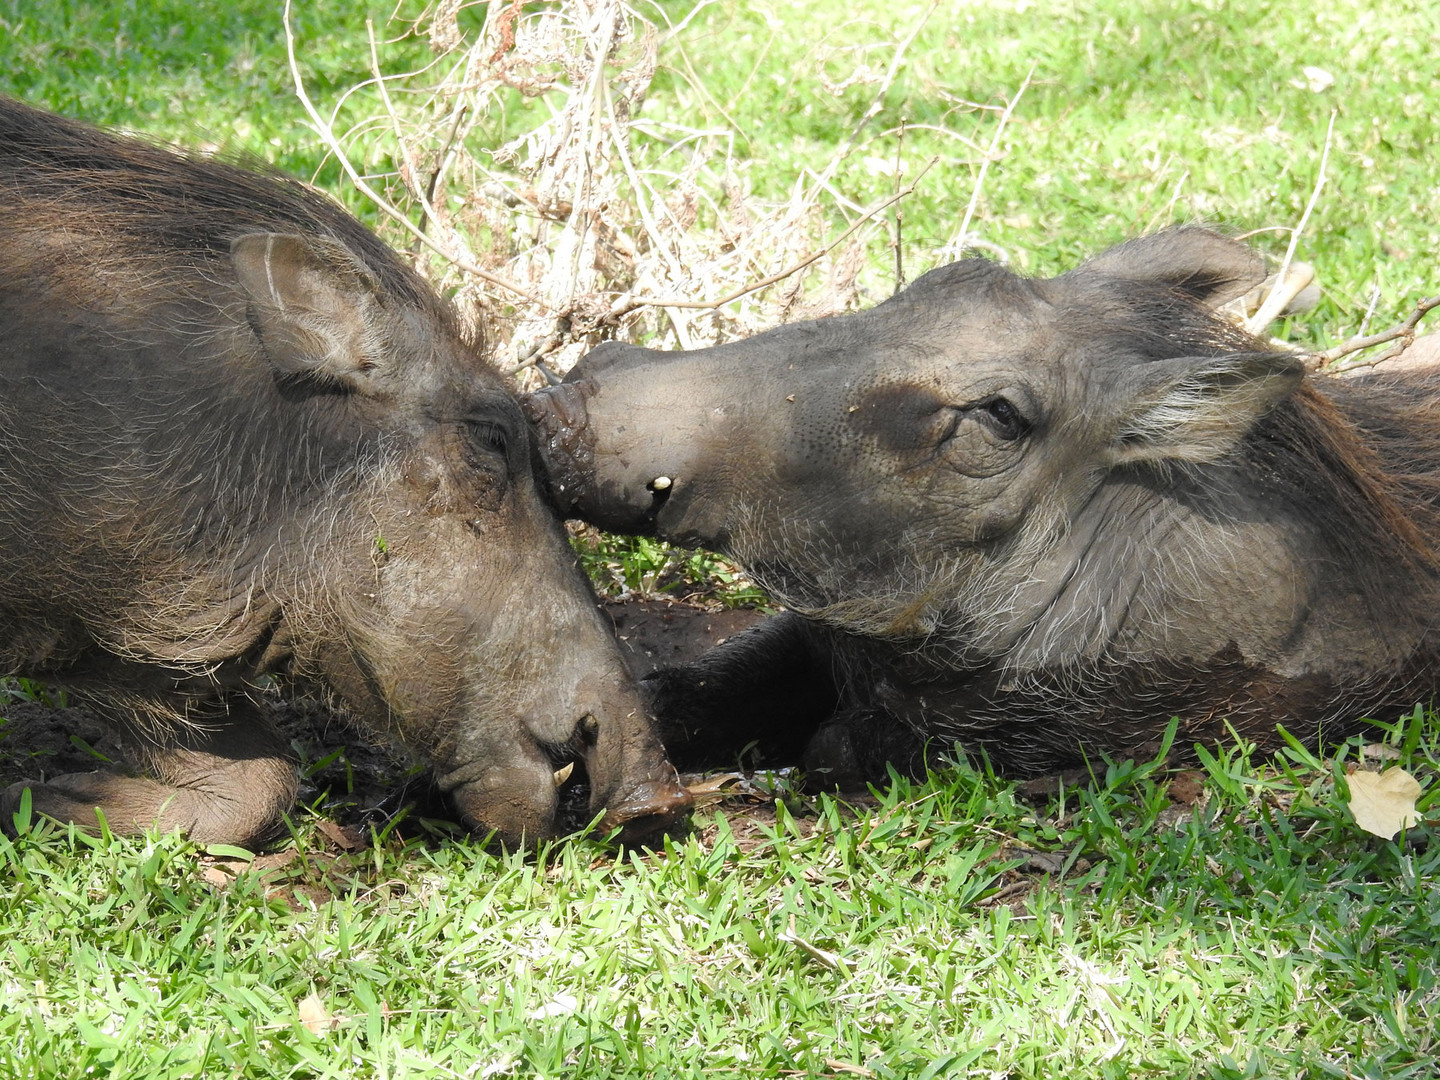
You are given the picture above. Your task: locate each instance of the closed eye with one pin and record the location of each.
(488, 435)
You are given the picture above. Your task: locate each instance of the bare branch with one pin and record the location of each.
(442, 161)
(662, 302)
(327, 135)
(899, 212)
(411, 176)
(1285, 289)
(957, 245)
(1403, 335)
(876, 104)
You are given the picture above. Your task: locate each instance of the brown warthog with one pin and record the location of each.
(1039, 517)
(242, 440)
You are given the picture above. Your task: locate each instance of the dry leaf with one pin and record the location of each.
(1384, 803)
(713, 785)
(344, 837)
(315, 1016)
(718, 788)
(560, 1005)
(823, 957)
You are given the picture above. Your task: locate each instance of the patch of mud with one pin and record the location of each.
(658, 633)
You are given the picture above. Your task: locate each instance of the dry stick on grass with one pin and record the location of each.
(1284, 291)
(442, 162)
(580, 220)
(957, 246)
(823, 179)
(647, 216)
(327, 135)
(411, 175)
(899, 211)
(1403, 335)
(643, 301)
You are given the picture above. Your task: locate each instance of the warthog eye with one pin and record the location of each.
(488, 436)
(1004, 418)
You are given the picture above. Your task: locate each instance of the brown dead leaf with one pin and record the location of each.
(712, 785)
(717, 788)
(1045, 862)
(315, 1016)
(217, 876)
(275, 861)
(344, 837)
(1186, 788)
(1045, 787)
(1384, 803)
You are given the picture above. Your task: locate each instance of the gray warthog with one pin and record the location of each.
(243, 439)
(1039, 517)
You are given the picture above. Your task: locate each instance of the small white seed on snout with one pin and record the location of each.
(563, 774)
(660, 483)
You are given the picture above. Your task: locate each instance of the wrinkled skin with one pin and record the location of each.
(1036, 517)
(244, 444)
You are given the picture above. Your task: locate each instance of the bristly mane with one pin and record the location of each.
(1327, 449)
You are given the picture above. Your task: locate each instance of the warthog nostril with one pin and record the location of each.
(588, 730)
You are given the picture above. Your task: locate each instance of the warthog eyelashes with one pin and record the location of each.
(488, 435)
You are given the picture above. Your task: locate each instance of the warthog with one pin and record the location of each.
(243, 440)
(1037, 516)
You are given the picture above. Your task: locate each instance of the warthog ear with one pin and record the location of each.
(312, 304)
(1212, 268)
(1197, 409)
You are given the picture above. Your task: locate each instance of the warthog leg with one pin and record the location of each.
(227, 780)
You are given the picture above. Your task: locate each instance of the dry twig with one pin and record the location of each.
(1402, 335)
(789, 271)
(327, 135)
(961, 240)
(1286, 289)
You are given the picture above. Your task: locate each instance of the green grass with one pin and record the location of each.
(953, 928)
(1137, 115)
(201, 73)
(950, 929)
(622, 565)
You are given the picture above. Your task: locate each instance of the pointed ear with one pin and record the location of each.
(312, 304)
(1212, 268)
(1196, 409)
